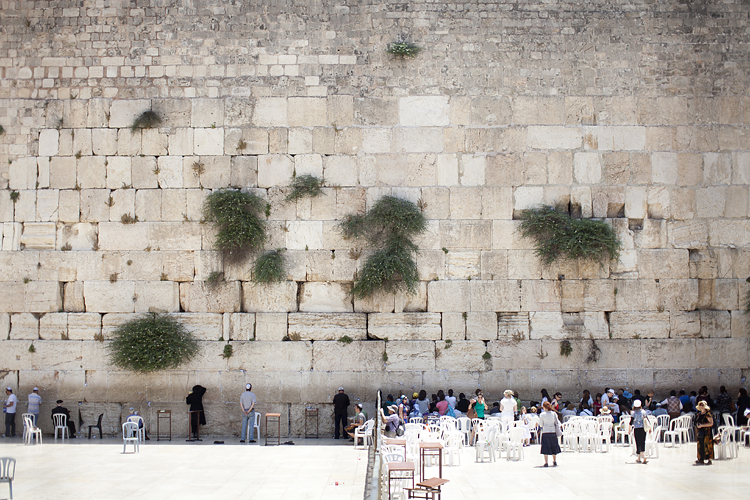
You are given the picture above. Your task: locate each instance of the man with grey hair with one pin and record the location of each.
(247, 402)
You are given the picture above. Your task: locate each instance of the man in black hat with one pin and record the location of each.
(340, 406)
(61, 409)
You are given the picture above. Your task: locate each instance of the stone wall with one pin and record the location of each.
(633, 112)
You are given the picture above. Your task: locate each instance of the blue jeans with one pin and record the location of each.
(248, 419)
(34, 418)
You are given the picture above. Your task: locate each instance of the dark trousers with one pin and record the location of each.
(195, 419)
(10, 425)
(340, 417)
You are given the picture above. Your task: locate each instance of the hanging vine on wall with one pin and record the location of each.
(558, 236)
(237, 215)
(151, 343)
(389, 226)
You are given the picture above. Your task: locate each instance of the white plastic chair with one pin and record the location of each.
(515, 443)
(652, 442)
(7, 472)
(141, 434)
(604, 436)
(256, 427)
(623, 430)
(570, 435)
(130, 435)
(61, 422)
(484, 442)
(728, 448)
(416, 420)
(452, 450)
(464, 425)
(663, 422)
(674, 433)
(364, 433)
(30, 431)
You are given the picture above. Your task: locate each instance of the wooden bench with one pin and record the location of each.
(429, 489)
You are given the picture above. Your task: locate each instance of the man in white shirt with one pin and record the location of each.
(10, 413)
(34, 401)
(247, 402)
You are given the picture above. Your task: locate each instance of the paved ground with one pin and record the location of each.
(310, 469)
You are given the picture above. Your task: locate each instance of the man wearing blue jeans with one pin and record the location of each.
(247, 402)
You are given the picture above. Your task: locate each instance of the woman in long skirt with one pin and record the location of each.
(639, 431)
(704, 422)
(549, 423)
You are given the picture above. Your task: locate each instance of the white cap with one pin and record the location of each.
(637, 403)
(36, 389)
(341, 388)
(9, 389)
(248, 386)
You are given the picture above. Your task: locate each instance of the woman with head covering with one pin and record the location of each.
(639, 422)
(197, 415)
(704, 422)
(507, 407)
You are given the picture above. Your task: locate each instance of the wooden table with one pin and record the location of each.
(430, 450)
(396, 442)
(427, 489)
(270, 418)
(402, 470)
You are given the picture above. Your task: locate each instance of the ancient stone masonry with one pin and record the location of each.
(634, 112)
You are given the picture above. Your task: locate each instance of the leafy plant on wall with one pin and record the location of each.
(558, 236)
(389, 227)
(151, 343)
(305, 185)
(238, 218)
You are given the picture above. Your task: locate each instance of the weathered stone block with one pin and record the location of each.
(481, 325)
(274, 170)
(270, 112)
(314, 326)
(73, 297)
(540, 295)
(414, 355)
(325, 297)
(208, 141)
(405, 326)
(684, 324)
(495, 295)
(49, 142)
(158, 296)
(122, 113)
(423, 111)
(80, 236)
(454, 326)
(42, 297)
(640, 324)
(84, 326)
(105, 296)
(271, 327)
(359, 356)
(207, 112)
(553, 138)
(118, 236)
(200, 297)
(53, 326)
(463, 355)
(24, 326)
(448, 296)
(715, 324)
(40, 235)
(663, 263)
(205, 326)
(272, 297)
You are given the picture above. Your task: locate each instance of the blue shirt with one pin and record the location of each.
(34, 401)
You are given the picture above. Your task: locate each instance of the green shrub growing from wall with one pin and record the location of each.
(558, 236)
(151, 343)
(388, 226)
(305, 185)
(237, 215)
(269, 267)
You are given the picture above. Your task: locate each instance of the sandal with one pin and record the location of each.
(709, 462)
(645, 462)
(545, 465)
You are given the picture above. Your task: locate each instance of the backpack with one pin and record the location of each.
(450, 412)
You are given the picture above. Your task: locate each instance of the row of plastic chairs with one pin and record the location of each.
(586, 435)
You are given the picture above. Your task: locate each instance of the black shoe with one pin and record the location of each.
(242, 440)
(252, 440)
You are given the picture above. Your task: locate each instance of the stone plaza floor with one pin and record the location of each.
(328, 469)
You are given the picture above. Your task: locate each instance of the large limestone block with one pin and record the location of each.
(729, 233)
(4, 326)
(73, 297)
(274, 170)
(463, 355)
(271, 326)
(106, 296)
(715, 324)
(405, 326)
(307, 112)
(684, 324)
(546, 325)
(357, 356)
(39, 235)
(207, 112)
(24, 326)
(170, 170)
(205, 326)
(157, 296)
(463, 265)
(118, 236)
(330, 326)
(418, 140)
(481, 325)
(208, 141)
(495, 295)
(454, 326)
(122, 113)
(639, 324)
(678, 295)
(511, 356)
(175, 235)
(49, 142)
(669, 354)
(325, 297)
(636, 295)
(616, 138)
(415, 355)
(466, 235)
(241, 326)
(200, 297)
(541, 295)
(540, 137)
(448, 296)
(423, 111)
(271, 297)
(513, 326)
(81, 236)
(22, 173)
(53, 326)
(663, 263)
(84, 326)
(42, 297)
(270, 112)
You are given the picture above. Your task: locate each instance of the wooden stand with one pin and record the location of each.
(166, 415)
(311, 414)
(427, 489)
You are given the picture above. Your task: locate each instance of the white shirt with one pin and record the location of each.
(13, 401)
(508, 407)
(451, 401)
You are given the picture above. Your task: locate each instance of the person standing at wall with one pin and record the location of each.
(34, 401)
(247, 402)
(10, 413)
(197, 415)
(340, 408)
